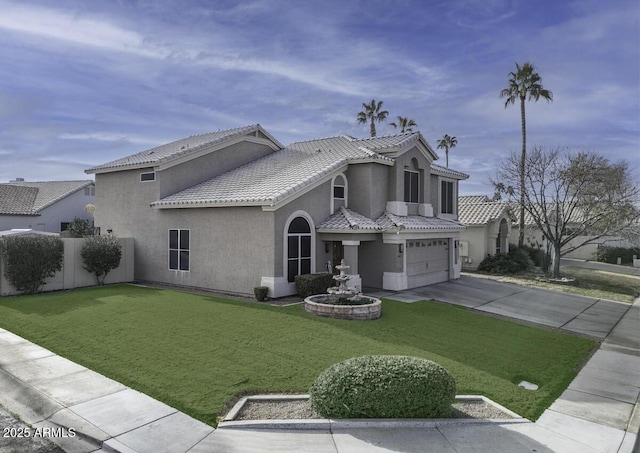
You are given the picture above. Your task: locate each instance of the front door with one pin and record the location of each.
(338, 254)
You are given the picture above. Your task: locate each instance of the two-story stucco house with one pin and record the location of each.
(235, 209)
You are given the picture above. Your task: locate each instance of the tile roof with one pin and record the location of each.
(173, 150)
(481, 213)
(346, 219)
(268, 180)
(48, 192)
(443, 171)
(472, 199)
(390, 221)
(17, 200)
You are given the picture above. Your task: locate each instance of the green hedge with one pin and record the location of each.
(30, 260)
(310, 284)
(384, 387)
(611, 254)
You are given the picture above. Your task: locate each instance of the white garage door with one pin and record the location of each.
(427, 262)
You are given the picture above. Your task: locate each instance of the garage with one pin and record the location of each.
(427, 261)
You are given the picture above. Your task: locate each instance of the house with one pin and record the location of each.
(45, 206)
(235, 209)
(488, 229)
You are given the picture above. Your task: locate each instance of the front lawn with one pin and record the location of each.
(196, 352)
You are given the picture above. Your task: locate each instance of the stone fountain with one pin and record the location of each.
(342, 302)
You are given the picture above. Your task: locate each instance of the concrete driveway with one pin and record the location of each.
(577, 314)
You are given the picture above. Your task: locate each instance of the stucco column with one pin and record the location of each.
(350, 254)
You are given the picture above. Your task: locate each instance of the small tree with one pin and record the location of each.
(101, 255)
(569, 195)
(79, 227)
(30, 260)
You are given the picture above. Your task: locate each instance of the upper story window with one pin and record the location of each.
(446, 197)
(151, 176)
(179, 249)
(90, 191)
(411, 186)
(339, 192)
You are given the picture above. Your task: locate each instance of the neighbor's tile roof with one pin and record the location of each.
(390, 221)
(481, 213)
(346, 219)
(28, 198)
(472, 199)
(173, 150)
(272, 178)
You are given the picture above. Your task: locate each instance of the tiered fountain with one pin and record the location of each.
(343, 303)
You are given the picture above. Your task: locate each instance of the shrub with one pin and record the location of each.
(261, 293)
(79, 228)
(310, 284)
(611, 254)
(535, 253)
(101, 255)
(384, 387)
(30, 260)
(506, 263)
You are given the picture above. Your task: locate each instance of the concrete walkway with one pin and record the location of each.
(597, 413)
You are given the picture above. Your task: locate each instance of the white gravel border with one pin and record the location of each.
(327, 424)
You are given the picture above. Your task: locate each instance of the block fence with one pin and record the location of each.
(73, 274)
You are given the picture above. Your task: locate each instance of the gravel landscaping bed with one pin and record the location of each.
(300, 409)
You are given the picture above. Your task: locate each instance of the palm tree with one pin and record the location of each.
(406, 125)
(372, 113)
(447, 142)
(524, 84)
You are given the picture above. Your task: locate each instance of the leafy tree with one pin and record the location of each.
(79, 227)
(372, 112)
(405, 124)
(30, 260)
(447, 143)
(524, 84)
(101, 255)
(571, 195)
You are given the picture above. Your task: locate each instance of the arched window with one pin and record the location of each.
(298, 248)
(339, 194)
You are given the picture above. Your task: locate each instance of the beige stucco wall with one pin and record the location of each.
(481, 241)
(73, 275)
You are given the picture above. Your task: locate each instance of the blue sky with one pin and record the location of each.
(82, 83)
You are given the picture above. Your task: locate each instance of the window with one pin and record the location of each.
(446, 197)
(147, 176)
(338, 192)
(179, 250)
(90, 191)
(298, 248)
(411, 186)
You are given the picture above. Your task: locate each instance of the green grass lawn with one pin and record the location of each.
(196, 352)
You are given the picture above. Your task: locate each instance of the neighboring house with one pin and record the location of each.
(488, 229)
(44, 206)
(235, 209)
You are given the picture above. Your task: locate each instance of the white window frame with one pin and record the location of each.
(179, 249)
(404, 187)
(345, 188)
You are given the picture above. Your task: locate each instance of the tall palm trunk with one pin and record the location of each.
(373, 127)
(523, 159)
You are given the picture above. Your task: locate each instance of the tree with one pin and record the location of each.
(447, 143)
(30, 260)
(571, 195)
(524, 84)
(101, 255)
(406, 124)
(372, 112)
(79, 227)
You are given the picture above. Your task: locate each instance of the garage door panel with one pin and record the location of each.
(427, 262)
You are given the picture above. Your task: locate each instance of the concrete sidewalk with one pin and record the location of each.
(597, 413)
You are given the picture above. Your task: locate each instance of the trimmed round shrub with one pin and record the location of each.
(384, 386)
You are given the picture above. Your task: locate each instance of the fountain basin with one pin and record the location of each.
(317, 305)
